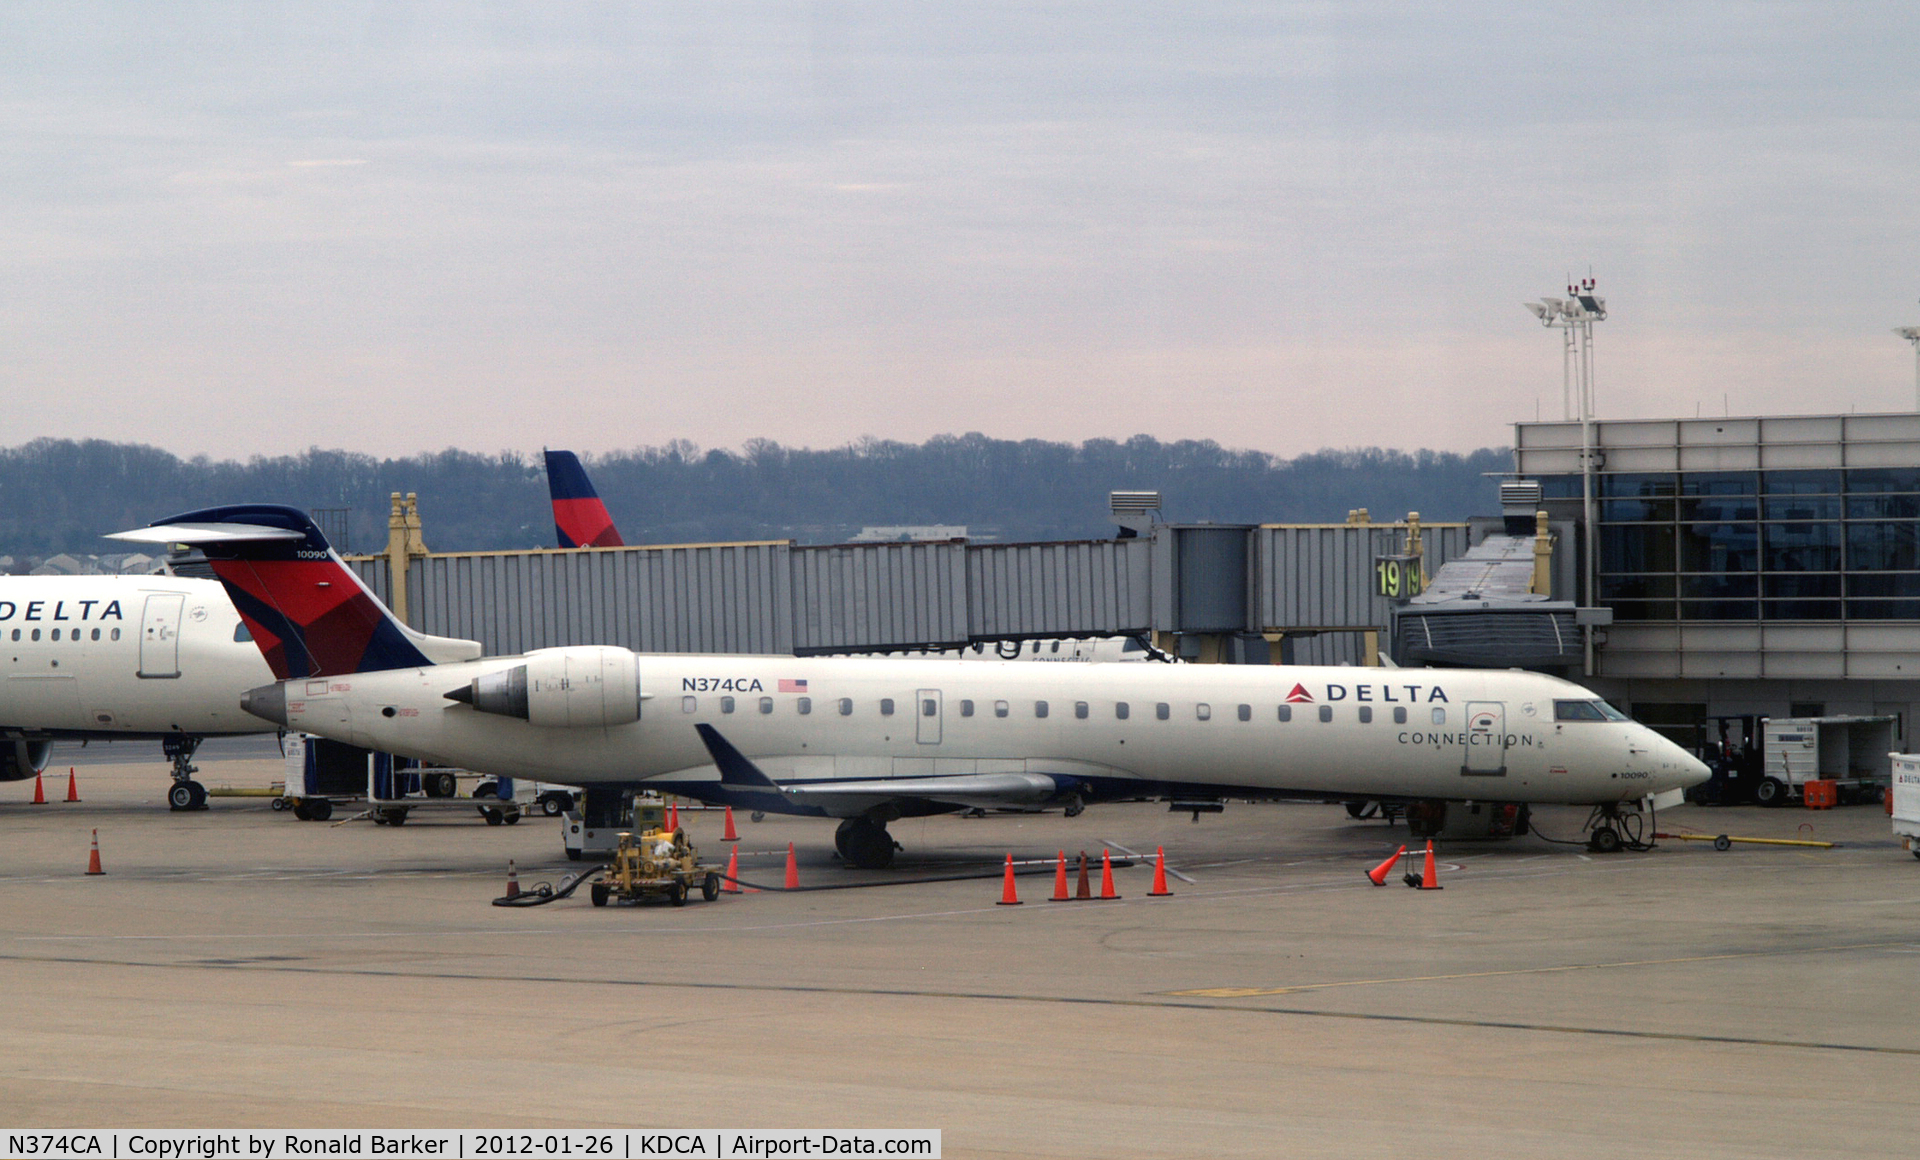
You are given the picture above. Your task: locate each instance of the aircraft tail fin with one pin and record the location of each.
(579, 518)
(308, 612)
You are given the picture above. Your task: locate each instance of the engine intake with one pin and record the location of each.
(561, 688)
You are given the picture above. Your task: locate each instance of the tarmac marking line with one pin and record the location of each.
(1296, 988)
(1061, 1000)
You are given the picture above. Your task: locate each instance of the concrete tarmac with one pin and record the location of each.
(239, 968)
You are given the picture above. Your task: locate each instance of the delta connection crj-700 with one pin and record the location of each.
(873, 740)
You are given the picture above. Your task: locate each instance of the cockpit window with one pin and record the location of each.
(1586, 711)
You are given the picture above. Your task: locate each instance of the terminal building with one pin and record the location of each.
(1763, 566)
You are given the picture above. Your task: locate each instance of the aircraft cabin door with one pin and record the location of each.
(926, 716)
(1486, 750)
(160, 635)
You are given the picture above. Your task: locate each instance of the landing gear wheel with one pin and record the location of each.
(865, 843)
(1724, 843)
(321, 809)
(599, 893)
(710, 887)
(1604, 840)
(757, 816)
(677, 893)
(186, 795)
(1770, 792)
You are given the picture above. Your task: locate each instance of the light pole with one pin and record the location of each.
(1912, 335)
(1574, 317)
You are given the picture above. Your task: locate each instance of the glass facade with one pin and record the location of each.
(1818, 544)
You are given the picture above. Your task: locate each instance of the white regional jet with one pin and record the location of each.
(869, 741)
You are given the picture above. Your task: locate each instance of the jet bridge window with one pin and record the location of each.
(1120, 710)
(1286, 712)
(966, 708)
(766, 704)
(1366, 714)
(689, 704)
(726, 704)
(1203, 711)
(846, 706)
(886, 706)
(1001, 708)
(1162, 710)
(1039, 708)
(1326, 712)
(804, 705)
(1245, 712)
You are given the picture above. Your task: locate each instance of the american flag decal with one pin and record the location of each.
(793, 686)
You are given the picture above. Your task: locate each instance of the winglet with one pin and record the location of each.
(735, 769)
(580, 520)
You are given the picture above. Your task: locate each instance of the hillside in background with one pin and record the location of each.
(61, 495)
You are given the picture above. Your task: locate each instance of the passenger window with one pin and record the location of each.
(96, 633)
(36, 634)
(56, 634)
(1286, 712)
(766, 704)
(966, 708)
(1080, 710)
(240, 633)
(1000, 708)
(1326, 712)
(886, 706)
(16, 634)
(1039, 708)
(929, 707)
(1120, 710)
(1203, 711)
(1056, 646)
(726, 704)
(846, 706)
(1399, 714)
(689, 704)
(116, 634)
(1246, 712)
(804, 705)
(1366, 714)
(1162, 710)
(1439, 715)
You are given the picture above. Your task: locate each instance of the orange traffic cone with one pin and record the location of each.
(1106, 876)
(1159, 874)
(513, 880)
(793, 869)
(73, 787)
(39, 794)
(1378, 875)
(1427, 880)
(673, 817)
(1083, 892)
(730, 835)
(731, 883)
(1060, 880)
(93, 859)
(1009, 896)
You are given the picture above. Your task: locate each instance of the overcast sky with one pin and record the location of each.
(248, 228)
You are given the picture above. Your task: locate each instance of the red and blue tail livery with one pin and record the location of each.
(579, 518)
(308, 612)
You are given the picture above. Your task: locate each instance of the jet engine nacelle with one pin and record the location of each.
(20, 759)
(563, 688)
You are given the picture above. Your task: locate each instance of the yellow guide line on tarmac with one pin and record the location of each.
(1253, 992)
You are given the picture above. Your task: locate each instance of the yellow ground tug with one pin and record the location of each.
(656, 864)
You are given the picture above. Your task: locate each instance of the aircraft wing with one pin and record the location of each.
(962, 790)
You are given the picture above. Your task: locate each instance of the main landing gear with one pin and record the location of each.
(185, 793)
(864, 842)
